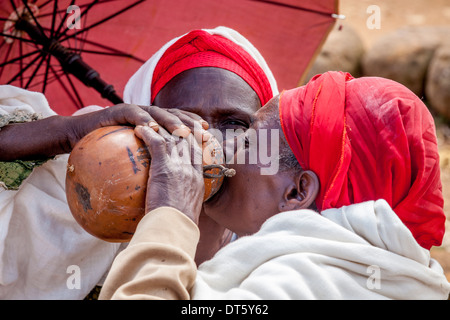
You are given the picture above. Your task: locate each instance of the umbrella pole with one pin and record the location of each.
(70, 62)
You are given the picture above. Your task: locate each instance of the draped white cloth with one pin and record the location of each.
(44, 253)
(362, 251)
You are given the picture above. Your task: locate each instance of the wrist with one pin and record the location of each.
(186, 212)
(168, 225)
(79, 126)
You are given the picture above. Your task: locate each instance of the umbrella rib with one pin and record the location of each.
(55, 9)
(25, 2)
(14, 7)
(6, 57)
(21, 63)
(80, 101)
(63, 85)
(290, 6)
(89, 7)
(103, 20)
(83, 40)
(44, 85)
(64, 10)
(24, 69)
(2, 44)
(58, 30)
(118, 54)
(19, 58)
(15, 37)
(35, 71)
(112, 50)
(45, 3)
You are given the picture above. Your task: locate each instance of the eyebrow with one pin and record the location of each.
(234, 112)
(252, 119)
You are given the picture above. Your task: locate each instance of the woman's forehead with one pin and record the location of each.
(213, 88)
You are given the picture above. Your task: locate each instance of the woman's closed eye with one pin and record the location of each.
(235, 124)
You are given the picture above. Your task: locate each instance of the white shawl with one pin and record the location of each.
(362, 251)
(44, 253)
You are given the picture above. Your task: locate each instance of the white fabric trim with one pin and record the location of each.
(362, 251)
(42, 248)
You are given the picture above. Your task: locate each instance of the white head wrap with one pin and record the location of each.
(138, 89)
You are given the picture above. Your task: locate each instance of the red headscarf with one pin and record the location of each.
(368, 139)
(201, 49)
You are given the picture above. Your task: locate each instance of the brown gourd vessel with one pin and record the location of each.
(107, 176)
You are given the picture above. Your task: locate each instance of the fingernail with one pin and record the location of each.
(153, 125)
(138, 131)
(205, 124)
(182, 131)
(206, 136)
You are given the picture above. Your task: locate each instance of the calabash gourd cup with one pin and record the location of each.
(107, 176)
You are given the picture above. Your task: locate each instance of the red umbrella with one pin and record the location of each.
(45, 47)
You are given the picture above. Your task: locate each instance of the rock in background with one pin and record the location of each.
(437, 86)
(404, 56)
(342, 51)
(417, 14)
(417, 57)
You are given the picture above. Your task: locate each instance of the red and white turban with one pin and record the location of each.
(220, 47)
(368, 139)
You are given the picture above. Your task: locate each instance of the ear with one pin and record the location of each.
(301, 193)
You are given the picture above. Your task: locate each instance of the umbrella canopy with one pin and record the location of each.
(115, 37)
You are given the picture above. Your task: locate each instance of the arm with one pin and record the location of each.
(55, 135)
(159, 261)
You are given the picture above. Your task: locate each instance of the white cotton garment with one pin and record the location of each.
(138, 89)
(362, 251)
(15, 99)
(44, 253)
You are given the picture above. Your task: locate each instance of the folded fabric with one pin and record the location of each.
(361, 251)
(380, 143)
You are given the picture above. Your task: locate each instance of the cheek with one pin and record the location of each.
(234, 206)
(249, 202)
(263, 197)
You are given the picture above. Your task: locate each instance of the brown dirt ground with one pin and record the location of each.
(394, 15)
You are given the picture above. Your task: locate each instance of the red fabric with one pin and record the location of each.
(201, 49)
(368, 139)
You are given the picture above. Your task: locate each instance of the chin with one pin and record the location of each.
(214, 211)
(225, 206)
(217, 199)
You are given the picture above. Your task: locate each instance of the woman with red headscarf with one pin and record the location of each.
(217, 73)
(351, 214)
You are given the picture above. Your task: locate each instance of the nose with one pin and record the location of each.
(228, 139)
(229, 149)
(231, 146)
